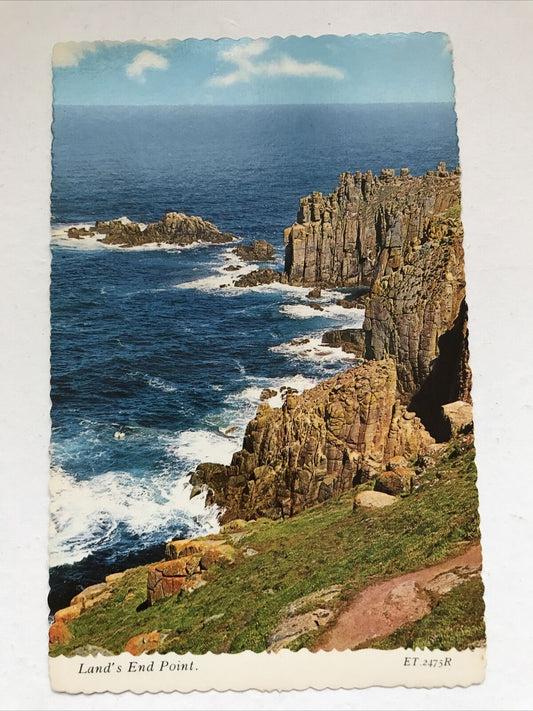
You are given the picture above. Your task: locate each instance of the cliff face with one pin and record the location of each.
(417, 315)
(318, 445)
(402, 237)
(368, 227)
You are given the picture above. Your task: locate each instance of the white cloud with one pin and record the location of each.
(69, 54)
(241, 56)
(143, 61)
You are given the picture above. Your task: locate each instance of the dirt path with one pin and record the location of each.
(381, 608)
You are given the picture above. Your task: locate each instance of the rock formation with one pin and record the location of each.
(318, 445)
(368, 227)
(259, 251)
(402, 238)
(175, 228)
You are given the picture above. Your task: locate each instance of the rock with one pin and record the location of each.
(398, 481)
(458, 417)
(68, 613)
(232, 268)
(318, 445)
(258, 278)
(317, 307)
(373, 500)
(315, 293)
(267, 393)
(59, 633)
(91, 595)
(293, 627)
(187, 561)
(300, 342)
(175, 228)
(114, 577)
(351, 340)
(141, 643)
(259, 251)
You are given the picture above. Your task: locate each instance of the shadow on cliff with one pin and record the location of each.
(449, 380)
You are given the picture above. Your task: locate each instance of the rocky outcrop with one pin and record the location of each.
(186, 562)
(367, 228)
(175, 228)
(400, 237)
(259, 277)
(318, 445)
(259, 251)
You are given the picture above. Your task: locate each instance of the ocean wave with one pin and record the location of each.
(327, 310)
(85, 516)
(311, 348)
(251, 395)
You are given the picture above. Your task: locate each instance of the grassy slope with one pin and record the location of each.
(326, 545)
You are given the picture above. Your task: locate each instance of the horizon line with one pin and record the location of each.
(319, 103)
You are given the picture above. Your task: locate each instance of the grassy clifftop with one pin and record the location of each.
(318, 560)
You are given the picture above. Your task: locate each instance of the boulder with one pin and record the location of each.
(395, 482)
(459, 417)
(59, 633)
(259, 251)
(315, 293)
(373, 500)
(141, 643)
(68, 613)
(267, 393)
(260, 277)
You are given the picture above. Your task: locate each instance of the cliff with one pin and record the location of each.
(368, 227)
(401, 236)
(174, 228)
(317, 446)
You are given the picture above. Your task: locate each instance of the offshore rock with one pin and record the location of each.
(318, 445)
(175, 228)
(258, 278)
(259, 251)
(367, 228)
(351, 340)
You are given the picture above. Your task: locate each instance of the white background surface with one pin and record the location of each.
(493, 70)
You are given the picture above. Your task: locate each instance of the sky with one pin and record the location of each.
(395, 68)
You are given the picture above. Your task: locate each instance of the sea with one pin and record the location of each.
(157, 360)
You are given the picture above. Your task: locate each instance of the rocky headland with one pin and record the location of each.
(175, 228)
(365, 480)
(402, 237)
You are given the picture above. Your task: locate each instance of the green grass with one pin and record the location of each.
(323, 546)
(456, 621)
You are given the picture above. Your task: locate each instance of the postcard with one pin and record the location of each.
(262, 465)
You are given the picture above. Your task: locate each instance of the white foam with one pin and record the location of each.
(329, 310)
(311, 348)
(251, 395)
(84, 515)
(60, 238)
(198, 446)
(160, 384)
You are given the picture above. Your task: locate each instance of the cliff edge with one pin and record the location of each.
(401, 236)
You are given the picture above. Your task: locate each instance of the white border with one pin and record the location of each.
(493, 67)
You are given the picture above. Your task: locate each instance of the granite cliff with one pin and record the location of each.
(368, 227)
(402, 237)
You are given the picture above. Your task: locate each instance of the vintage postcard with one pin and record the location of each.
(262, 453)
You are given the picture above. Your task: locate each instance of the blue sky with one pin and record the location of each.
(393, 68)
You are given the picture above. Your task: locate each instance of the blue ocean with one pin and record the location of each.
(157, 361)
